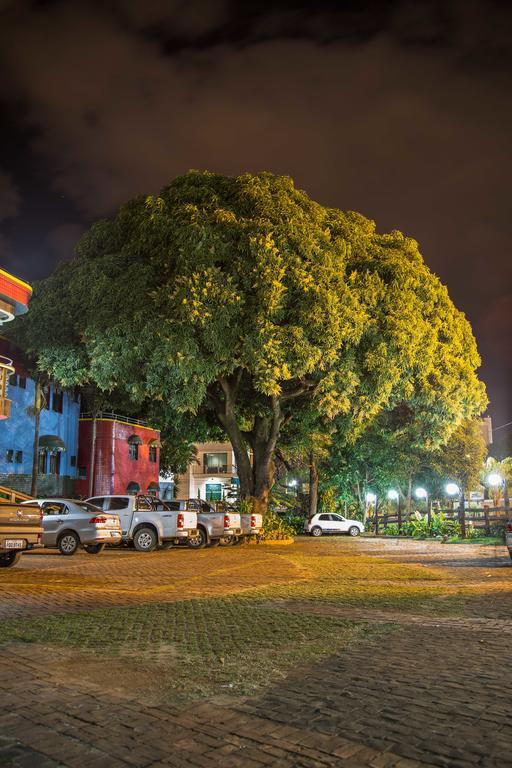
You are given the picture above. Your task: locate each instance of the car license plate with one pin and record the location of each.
(15, 544)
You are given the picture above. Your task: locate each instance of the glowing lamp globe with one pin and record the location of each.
(371, 498)
(452, 489)
(420, 493)
(393, 495)
(494, 479)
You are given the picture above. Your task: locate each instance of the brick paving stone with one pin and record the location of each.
(433, 692)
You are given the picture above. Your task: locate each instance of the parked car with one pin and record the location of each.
(147, 522)
(69, 524)
(333, 524)
(508, 536)
(251, 523)
(20, 530)
(212, 525)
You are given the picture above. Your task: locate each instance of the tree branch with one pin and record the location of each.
(306, 385)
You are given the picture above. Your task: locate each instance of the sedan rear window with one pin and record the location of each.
(118, 502)
(85, 506)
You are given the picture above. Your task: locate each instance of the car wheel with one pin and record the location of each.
(8, 559)
(145, 540)
(316, 531)
(353, 530)
(199, 541)
(68, 543)
(94, 549)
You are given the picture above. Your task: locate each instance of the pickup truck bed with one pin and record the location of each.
(20, 529)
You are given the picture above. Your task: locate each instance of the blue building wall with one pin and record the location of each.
(17, 434)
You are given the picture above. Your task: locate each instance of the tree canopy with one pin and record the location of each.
(243, 299)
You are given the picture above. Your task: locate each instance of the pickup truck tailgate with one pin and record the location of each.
(251, 524)
(232, 520)
(189, 520)
(20, 522)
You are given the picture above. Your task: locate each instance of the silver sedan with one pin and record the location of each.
(69, 524)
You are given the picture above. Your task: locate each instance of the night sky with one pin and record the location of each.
(400, 110)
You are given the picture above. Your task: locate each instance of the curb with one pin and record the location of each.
(276, 542)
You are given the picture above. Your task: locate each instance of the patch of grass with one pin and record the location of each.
(365, 582)
(219, 646)
(490, 540)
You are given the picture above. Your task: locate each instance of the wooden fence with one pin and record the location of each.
(481, 519)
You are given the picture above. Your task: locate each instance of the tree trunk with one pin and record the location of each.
(37, 425)
(256, 480)
(313, 485)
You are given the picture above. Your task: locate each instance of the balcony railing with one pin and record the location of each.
(113, 417)
(219, 469)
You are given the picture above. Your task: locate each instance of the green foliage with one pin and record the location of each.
(461, 459)
(328, 501)
(418, 527)
(243, 300)
(276, 527)
(391, 529)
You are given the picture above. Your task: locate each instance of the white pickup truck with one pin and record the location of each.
(213, 527)
(147, 522)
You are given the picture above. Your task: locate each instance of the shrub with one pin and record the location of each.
(276, 527)
(498, 530)
(391, 529)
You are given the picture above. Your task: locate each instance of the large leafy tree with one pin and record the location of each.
(244, 299)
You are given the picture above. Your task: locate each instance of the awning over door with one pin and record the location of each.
(51, 443)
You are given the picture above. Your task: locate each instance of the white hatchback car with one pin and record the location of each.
(333, 523)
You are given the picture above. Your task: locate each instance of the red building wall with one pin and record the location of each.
(113, 469)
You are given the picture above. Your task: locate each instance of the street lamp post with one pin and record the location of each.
(395, 496)
(371, 498)
(495, 480)
(421, 493)
(452, 489)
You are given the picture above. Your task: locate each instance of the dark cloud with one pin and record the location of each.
(63, 239)
(9, 198)
(180, 18)
(398, 110)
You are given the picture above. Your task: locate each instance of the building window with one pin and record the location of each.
(13, 380)
(153, 456)
(18, 457)
(72, 461)
(55, 463)
(9, 456)
(215, 463)
(133, 451)
(58, 398)
(22, 382)
(41, 463)
(82, 473)
(213, 491)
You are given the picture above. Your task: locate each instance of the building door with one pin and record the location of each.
(213, 491)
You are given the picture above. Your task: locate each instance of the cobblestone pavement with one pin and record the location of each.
(433, 687)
